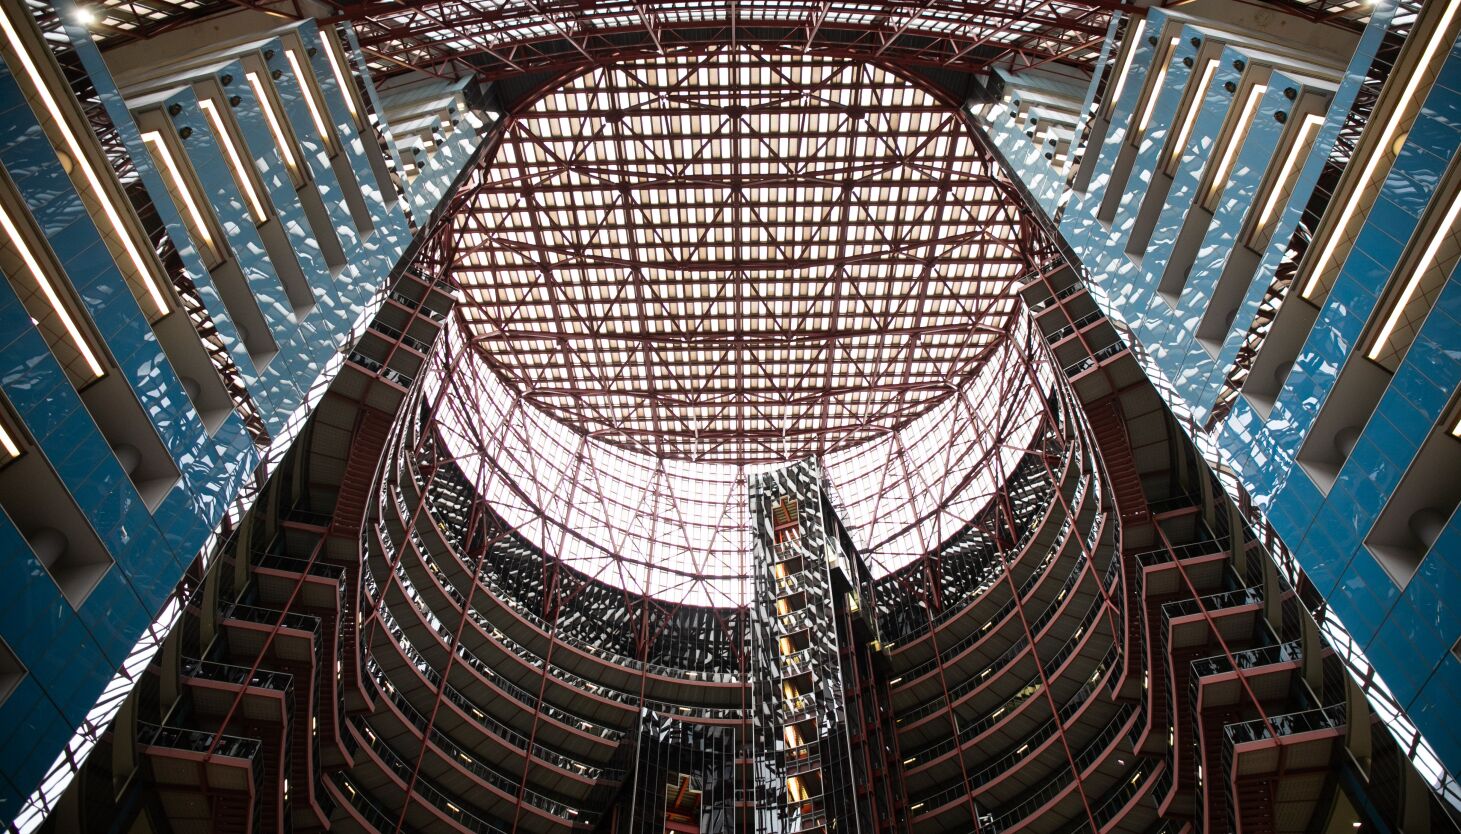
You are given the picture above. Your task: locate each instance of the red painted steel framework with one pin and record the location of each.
(738, 256)
(505, 39)
(516, 37)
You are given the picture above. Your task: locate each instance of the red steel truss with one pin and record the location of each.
(510, 37)
(554, 35)
(739, 256)
(507, 38)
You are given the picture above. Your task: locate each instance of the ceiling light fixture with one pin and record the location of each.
(342, 77)
(194, 212)
(1156, 90)
(1282, 184)
(52, 296)
(1235, 141)
(12, 449)
(276, 127)
(1422, 267)
(235, 159)
(316, 107)
(1179, 143)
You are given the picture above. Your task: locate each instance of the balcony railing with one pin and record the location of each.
(276, 561)
(1212, 602)
(198, 741)
(240, 675)
(955, 693)
(1249, 659)
(1323, 718)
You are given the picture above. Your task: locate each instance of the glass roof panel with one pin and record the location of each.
(677, 271)
(738, 256)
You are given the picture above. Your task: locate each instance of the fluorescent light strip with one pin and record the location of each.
(1381, 148)
(1240, 131)
(341, 77)
(1135, 44)
(235, 160)
(316, 108)
(267, 105)
(1427, 260)
(170, 166)
(83, 161)
(1456, 431)
(8, 443)
(1290, 167)
(1193, 108)
(1151, 100)
(52, 297)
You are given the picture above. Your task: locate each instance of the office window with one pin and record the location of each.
(1422, 504)
(47, 517)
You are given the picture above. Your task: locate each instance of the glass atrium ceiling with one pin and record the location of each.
(676, 270)
(737, 256)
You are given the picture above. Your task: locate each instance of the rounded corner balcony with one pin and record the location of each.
(595, 516)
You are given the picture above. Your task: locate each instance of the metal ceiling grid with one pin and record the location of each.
(738, 256)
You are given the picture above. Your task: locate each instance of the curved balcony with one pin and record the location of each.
(447, 524)
(530, 664)
(972, 563)
(1042, 800)
(576, 732)
(431, 808)
(979, 623)
(478, 775)
(461, 712)
(981, 646)
(1016, 656)
(1078, 587)
(1008, 726)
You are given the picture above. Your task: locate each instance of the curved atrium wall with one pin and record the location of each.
(582, 667)
(574, 596)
